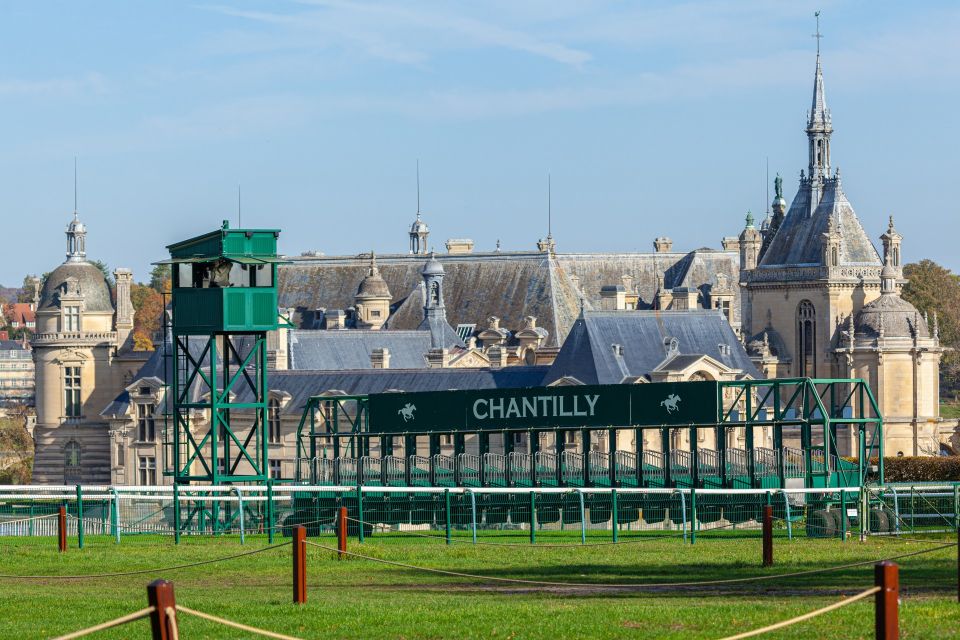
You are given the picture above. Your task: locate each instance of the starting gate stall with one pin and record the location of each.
(364, 435)
(415, 445)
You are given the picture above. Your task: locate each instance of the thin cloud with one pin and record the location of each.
(64, 86)
(396, 33)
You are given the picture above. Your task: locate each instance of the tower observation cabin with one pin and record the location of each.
(223, 302)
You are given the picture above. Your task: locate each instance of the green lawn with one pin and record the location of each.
(357, 598)
(950, 410)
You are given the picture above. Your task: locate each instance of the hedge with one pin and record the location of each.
(921, 469)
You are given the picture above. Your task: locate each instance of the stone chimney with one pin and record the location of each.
(613, 297)
(459, 246)
(124, 314)
(663, 244)
(35, 300)
(438, 358)
(685, 298)
(498, 356)
(380, 358)
(335, 319)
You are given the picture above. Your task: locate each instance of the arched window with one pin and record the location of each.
(71, 463)
(273, 420)
(806, 340)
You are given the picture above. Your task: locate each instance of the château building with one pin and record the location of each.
(82, 357)
(820, 301)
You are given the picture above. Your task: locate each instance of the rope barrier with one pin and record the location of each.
(143, 571)
(659, 585)
(527, 545)
(786, 623)
(109, 624)
(174, 627)
(235, 625)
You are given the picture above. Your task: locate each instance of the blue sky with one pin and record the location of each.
(653, 118)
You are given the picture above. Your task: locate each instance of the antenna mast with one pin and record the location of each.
(767, 184)
(239, 213)
(549, 210)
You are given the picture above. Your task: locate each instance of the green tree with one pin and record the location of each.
(934, 289)
(25, 294)
(160, 278)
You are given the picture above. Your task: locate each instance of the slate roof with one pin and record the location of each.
(509, 285)
(351, 348)
(799, 240)
(93, 287)
(303, 384)
(588, 355)
(154, 368)
(13, 345)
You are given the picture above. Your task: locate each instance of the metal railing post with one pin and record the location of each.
(473, 514)
(583, 519)
(786, 513)
(886, 621)
(359, 513)
(693, 515)
(613, 514)
(683, 514)
(79, 517)
(176, 513)
(533, 517)
(270, 511)
(236, 490)
(446, 511)
(843, 515)
(115, 514)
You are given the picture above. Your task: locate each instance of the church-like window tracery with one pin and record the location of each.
(806, 339)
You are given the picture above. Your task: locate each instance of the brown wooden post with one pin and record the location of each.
(299, 564)
(62, 528)
(160, 596)
(342, 531)
(768, 535)
(886, 575)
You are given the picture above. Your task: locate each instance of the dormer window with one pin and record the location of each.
(71, 319)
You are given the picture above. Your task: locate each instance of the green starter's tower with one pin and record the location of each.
(224, 300)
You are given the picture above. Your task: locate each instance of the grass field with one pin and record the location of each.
(357, 598)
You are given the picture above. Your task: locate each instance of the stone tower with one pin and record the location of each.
(821, 303)
(434, 312)
(419, 232)
(81, 365)
(373, 299)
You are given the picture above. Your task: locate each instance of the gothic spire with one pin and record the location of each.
(819, 126)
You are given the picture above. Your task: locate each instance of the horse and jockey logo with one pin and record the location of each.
(672, 403)
(407, 412)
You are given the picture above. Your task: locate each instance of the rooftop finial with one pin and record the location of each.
(418, 188)
(74, 186)
(817, 35)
